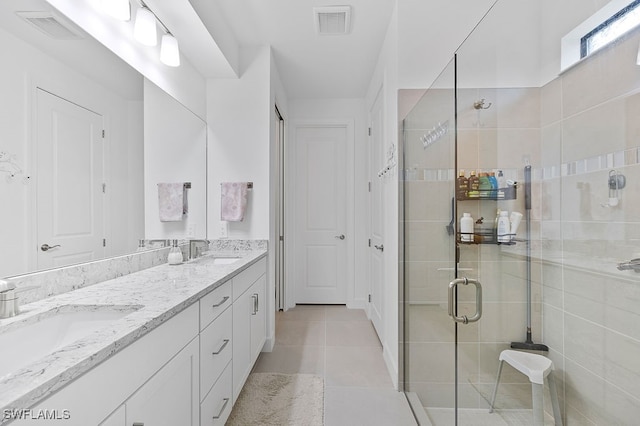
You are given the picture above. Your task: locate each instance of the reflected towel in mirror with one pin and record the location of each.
(234, 201)
(172, 201)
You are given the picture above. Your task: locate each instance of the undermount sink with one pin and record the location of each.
(25, 342)
(225, 260)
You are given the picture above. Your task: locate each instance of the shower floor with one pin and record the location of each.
(477, 417)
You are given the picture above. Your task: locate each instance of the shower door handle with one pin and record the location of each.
(453, 303)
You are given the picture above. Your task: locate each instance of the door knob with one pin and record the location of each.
(47, 247)
(380, 247)
(340, 237)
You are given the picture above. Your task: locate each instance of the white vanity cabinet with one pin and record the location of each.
(249, 322)
(188, 371)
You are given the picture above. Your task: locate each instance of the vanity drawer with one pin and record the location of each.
(214, 303)
(246, 278)
(217, 405)
(216, 349)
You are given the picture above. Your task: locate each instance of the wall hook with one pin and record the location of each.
(480, 104)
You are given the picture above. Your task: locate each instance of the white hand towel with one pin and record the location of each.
(172, 201)
(234, 201)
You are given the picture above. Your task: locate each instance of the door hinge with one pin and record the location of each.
(369, 298)
(102, 133)
(104, 242)
(369, 186)
(369, 242)
(369, 131)
(104, 188)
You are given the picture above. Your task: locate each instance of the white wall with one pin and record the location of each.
(31, 68)
(238, 115)
(175, 148)
(241, 119)
(386, 77)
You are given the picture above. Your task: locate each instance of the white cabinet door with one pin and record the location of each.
(242, 309)
(117, 418)
(258, 317)
(171, 396)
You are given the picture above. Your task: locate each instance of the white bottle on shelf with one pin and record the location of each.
(504, 228)
(466, 228)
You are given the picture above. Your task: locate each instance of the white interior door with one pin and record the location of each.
(321, 215)
(376, 251)
(69, 197)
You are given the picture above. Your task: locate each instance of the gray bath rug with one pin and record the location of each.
(280, 399)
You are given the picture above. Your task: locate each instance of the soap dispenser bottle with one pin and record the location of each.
(175, 254)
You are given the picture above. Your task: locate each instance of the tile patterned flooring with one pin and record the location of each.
(342, 346)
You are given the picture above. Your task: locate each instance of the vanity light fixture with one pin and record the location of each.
(119, 9)
(169, 51)
(144, 30)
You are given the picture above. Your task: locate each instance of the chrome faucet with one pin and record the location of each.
(633, 264)
(9, 301)
(195, 250)
(165, 243)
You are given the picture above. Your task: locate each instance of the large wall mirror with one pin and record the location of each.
(84, 142)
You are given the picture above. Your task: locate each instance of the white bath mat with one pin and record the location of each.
(280, 399)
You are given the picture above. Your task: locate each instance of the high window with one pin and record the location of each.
(611, 29)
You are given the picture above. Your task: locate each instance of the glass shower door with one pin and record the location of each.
(429, 224)
(498, 140)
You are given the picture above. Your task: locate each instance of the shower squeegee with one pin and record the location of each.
(528, 343)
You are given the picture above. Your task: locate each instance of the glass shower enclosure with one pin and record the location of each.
(560, 132)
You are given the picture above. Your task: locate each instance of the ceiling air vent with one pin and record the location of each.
(52, 25)
(332, 20)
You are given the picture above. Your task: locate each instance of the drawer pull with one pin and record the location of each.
(224, 299)
(224, 345)
(224, 405)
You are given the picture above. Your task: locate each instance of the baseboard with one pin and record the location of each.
(392, 367)
(269, 343)
(357, 304)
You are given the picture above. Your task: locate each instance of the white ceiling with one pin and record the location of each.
(311, 65)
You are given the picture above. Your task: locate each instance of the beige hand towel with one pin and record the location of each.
(234, 201)
(172, 201)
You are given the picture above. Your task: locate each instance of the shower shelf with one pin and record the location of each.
(487, 237)
(509, 193)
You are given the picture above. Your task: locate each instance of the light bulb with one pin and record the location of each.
(119, 9)
(145, 30)
(169, 51)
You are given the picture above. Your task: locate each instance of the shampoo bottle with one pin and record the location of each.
(466, 228)
(463, 185)
(474, 185)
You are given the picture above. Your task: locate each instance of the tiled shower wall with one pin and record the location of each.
(590, 119)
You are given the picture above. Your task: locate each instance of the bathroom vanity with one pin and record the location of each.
(175, 346)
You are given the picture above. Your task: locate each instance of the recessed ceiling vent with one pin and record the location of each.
(52, 25)
(332, 20)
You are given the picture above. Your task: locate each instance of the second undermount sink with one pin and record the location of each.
(225, 260)
(25, 342)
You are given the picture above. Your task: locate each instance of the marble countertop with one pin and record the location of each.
(152, 296)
